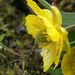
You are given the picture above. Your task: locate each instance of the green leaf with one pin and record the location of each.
(68, 18)
(55, 72)
(71, 37)
(2, 37)
(45, 4)
(1, 44)
(19, 43)
(10, 71)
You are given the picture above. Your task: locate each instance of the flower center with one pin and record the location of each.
(42, 37)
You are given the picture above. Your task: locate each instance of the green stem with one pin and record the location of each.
(45, 4)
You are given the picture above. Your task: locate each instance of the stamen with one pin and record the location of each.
(41, 46)
(48, 39)
(44, 32)
(46, 36)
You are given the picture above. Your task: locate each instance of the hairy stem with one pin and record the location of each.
(70, 27)
(72, 42)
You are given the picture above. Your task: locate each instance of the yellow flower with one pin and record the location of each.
(68, 63)
(46, 28)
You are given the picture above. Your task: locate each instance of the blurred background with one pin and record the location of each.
(13, 34)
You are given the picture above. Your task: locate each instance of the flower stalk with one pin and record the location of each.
(72, 42)
(70, 27)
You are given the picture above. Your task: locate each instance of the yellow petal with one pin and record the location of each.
(72, 55)
(45, 49)
(48, 57)
(60, 50)
(70, 73)
(57, 18)
(64, 31)
(30, 25)
(48, 63)
(51, 30)
(66, 64)
(46, 14)
(49, 54)
(34, 6)
(66, 41)
(66, 45)
(43, 52)
(73, 52)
